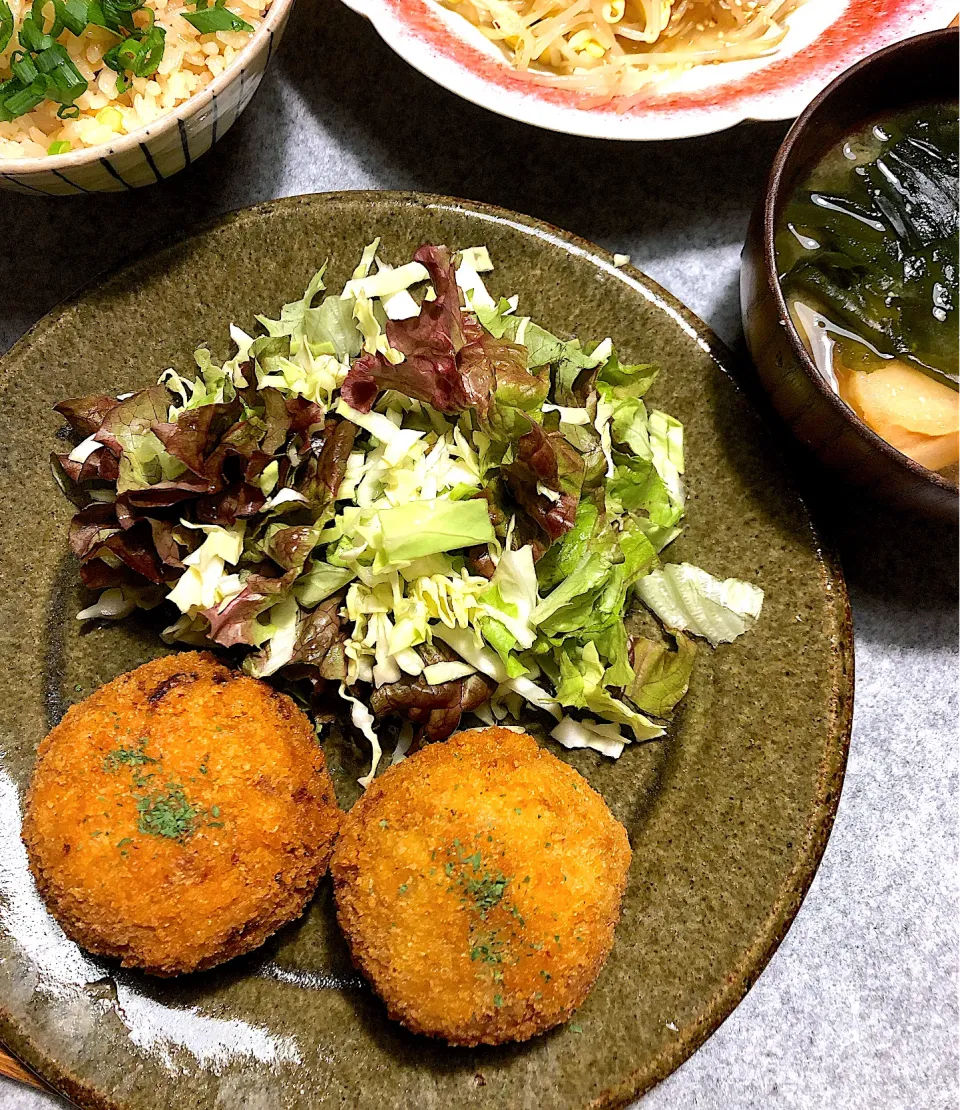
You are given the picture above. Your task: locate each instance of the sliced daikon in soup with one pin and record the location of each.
(913, 413)
(897, 395)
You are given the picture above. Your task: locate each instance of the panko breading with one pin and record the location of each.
(179, 816)
(479, 884)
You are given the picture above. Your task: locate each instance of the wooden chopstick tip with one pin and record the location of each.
(13, 1069)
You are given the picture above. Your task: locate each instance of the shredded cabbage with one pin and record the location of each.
(604, 738)
(689, 599)
(363, 720)
(484, 517)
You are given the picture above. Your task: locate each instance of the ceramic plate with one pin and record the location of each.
(824, 38)
(728, 816)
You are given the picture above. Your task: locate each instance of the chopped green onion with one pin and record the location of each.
(73, 15)
(52, 58)
(26, 99)
(122, 56)
(36, 16)
(119, 14)
(32, 37)
(113, 15)
(208, 20)
(153, 43)
(95, 14)
(42, 68)
(64, 82)
(22, 67)
(6, 24)
(61, 146)
(139, 57)
(7, 89)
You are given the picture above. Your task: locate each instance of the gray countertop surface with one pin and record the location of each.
(858, 1008)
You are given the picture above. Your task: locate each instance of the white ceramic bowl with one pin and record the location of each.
(825, 37)
(165, 146)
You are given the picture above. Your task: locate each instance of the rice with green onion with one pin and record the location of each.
(190, 61)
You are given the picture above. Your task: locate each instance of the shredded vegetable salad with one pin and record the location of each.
(408, 496)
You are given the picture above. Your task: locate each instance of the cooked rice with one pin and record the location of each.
(190, 61)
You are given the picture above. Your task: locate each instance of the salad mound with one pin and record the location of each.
(409, 496)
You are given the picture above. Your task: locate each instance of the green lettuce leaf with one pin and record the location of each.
(321, 581)
(584, 685)
(592, 598)
(494, 319)
(563, 557)
(613, 647)
(213, 385)
(267, 348)
(661, 676)
(568, 367)
(659, 535)
(328, 328)
(628, 420)
(588, 575)
(637, 551)
(542, 347)
(504, 643)
(331, 328)
(619, 382)
(291, 315)
(592, 611)
(666, 446)
(636, 487)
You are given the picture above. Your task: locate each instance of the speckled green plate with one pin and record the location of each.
(728, 816)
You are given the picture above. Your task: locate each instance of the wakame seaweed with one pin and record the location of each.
(870, 238)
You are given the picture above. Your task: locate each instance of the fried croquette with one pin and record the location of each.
(479, 884)
(179, 816)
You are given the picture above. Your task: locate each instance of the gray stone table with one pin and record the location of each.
(858, 1009)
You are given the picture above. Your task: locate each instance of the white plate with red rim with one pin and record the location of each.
(824, 38)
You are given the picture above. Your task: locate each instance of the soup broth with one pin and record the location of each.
(867, 257)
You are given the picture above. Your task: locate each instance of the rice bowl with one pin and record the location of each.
(190, 62)
(141, 152)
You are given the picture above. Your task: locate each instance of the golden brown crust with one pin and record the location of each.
(479, 884)
(179, 816)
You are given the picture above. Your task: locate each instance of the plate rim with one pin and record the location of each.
(839, 710)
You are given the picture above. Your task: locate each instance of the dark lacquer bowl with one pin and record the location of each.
(912, 72)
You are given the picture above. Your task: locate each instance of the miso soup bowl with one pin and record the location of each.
(164, 147)
(916, 71)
